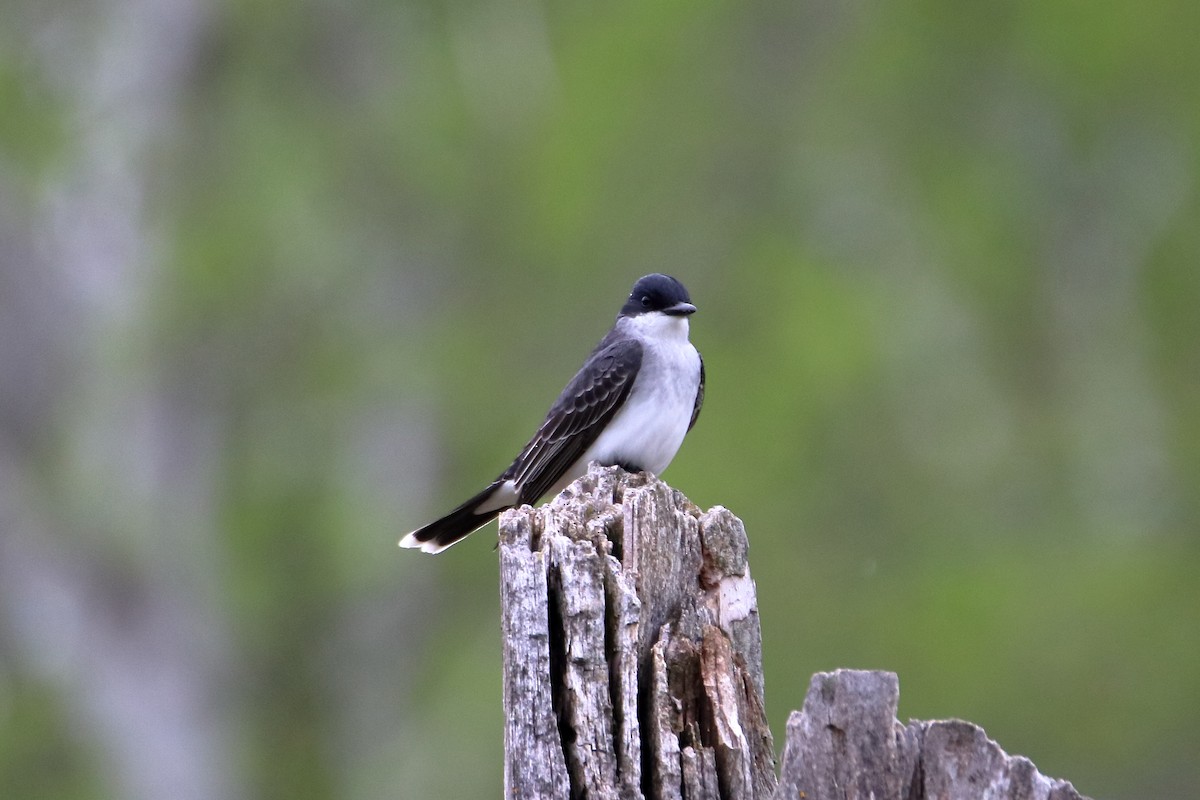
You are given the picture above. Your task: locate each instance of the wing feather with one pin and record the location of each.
(576, 418)
(699, 395)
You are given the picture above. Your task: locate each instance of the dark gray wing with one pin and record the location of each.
(576, 418)
(699, 394)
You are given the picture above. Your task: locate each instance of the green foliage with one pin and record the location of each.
(945, 261)
(42, 756)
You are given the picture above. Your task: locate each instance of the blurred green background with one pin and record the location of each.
(280, 281)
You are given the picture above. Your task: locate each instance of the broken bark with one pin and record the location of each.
(632, 653)
(633, 671)
(847, 744)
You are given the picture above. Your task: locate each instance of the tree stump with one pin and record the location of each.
(632, 652)
(633, 671)
(847, 744)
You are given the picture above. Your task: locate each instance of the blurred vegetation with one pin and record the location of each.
(281, 281)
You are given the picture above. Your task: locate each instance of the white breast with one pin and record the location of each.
(649, 428)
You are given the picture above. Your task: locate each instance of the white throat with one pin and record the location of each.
(649, 427)
(658, 327)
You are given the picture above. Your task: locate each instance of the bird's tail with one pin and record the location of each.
(462, 521)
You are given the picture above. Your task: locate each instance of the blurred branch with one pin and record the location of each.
(96, 600)
(633, 669)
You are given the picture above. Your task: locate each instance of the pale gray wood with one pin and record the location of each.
(699, 773)
(534, 766)
(846, 744)
(633, 671)
(663, 727)
(577, 588)
(652, 646)
(959, 761)
(624, 613)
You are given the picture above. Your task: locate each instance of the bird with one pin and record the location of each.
(632, 402)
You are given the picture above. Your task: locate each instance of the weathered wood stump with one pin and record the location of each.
(847, 743)
(633, 670)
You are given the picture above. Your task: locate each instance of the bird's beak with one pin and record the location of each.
(680, 310)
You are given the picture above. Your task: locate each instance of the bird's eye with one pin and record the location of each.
(645, 301)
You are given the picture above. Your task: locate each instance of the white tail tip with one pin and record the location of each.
(410, 541)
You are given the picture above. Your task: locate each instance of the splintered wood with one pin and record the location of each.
(847, 743)
(633, 671)
(632, 652)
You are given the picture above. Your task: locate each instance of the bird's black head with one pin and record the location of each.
(658, 293)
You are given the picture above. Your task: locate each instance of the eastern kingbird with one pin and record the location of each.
(630, 404)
